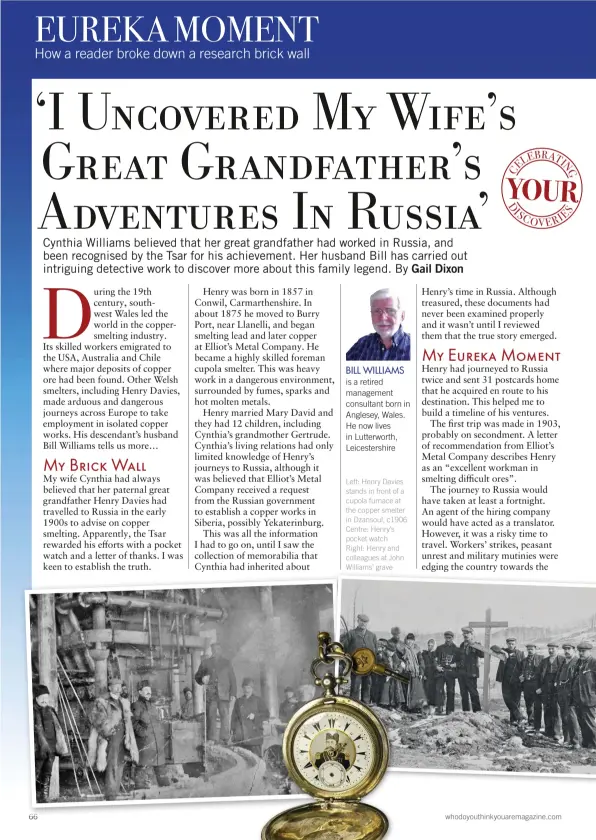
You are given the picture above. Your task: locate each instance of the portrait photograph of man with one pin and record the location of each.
(388, 341)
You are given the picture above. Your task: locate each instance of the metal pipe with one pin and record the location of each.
(100, 653)
(64, 719)
(67, 602)
(175, 687)
(150, 635)
(76, 653)
(46, 636)
(159, 645)
(195, 657)
(76, 628)
(111, 599)
(268, 671)
(47, 664)
(177, 621)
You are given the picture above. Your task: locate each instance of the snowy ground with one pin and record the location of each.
(476, 741)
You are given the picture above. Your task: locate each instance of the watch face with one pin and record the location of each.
(336, 750)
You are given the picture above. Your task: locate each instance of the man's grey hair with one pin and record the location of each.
(385, 293)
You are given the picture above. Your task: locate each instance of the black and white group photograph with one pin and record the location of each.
(169, 694)
(499, 677)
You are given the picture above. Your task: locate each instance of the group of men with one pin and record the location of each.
(249, 711)
(559, 686)
(436, 670)
(124, 735)
(120, 735)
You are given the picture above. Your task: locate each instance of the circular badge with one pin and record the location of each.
(363, 661)
(541, 188)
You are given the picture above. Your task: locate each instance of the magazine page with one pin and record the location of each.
(295, 425)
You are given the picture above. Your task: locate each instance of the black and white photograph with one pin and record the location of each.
(172, 694)
(500, 677)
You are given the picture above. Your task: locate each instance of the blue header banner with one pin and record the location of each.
(299, 40)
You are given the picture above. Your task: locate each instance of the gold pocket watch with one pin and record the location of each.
(336, 750)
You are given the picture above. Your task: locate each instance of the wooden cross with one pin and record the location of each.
(488, 624)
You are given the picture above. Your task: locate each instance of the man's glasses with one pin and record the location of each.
(378, 313)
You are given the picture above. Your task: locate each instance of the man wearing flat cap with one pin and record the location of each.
(470, 651)
(447, 663)
(360, 637)
(111, 737)
(529, 678)
(508, 674)
(49, 740)
(583, 694)
(547, 689)
(569, 721)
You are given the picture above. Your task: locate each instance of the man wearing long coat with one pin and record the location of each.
(49, 740)
(150, 741)
(217, 675)
(360, 637)
(447, 664)
(549, 668)
(583, 694)
(380, 688)
(111, 736)
(470, 651)
(508, 674)
(248, 716)
(429, 659)
(569, 721)
(529, 678)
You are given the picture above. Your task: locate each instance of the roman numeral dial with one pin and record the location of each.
(333, 751)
